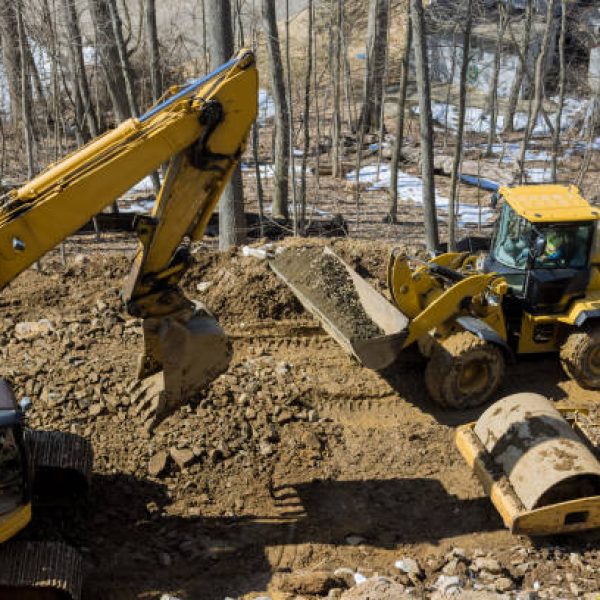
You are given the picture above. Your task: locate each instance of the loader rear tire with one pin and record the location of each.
(464, 371)
(580, 357)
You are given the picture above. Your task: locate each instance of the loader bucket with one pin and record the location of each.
(183, 354)
(540, 474)
(377, 340)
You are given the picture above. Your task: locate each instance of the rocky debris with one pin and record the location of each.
(157, 465)
(29, 330)
(325, 281)
(377, 588)
(183, 457)
(316, 583)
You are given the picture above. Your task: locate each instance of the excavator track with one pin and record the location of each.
(40, 571)
(62, 465)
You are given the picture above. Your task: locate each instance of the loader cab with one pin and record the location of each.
(542, 245)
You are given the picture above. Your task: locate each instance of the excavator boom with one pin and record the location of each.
(201, 132)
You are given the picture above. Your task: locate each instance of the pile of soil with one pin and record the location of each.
(327, 284)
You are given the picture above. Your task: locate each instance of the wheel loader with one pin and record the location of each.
(200, 130)
(537, 290)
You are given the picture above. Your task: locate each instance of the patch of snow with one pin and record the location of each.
(266, 106)
(142, 187)
(410, 187)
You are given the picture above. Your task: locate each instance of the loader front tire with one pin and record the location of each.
(464, 371)
(580, 357)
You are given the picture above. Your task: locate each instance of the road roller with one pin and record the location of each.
(539, 465)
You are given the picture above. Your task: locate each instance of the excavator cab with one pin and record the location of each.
(14, 470)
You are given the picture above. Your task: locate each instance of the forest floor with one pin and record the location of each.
(296, 472)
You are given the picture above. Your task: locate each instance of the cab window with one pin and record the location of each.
(513, 239)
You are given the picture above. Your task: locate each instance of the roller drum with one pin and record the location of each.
(544, 460)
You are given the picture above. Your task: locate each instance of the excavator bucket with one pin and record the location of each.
(356, 315)
(537, 466)
(182, 355)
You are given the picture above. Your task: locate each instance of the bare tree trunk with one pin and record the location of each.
(25, 93)
(462, 106)
(152, 33)
(123, 58)
(108, 51)
(539, 87)
(232, 221)
(11, 58)
(493, 97)
(398, 142)
(306, 117)
(336, 69)
(373, 82)
(291, 111)
(521, 72)
(79, 82)
(561, 89)
(426, 124)
(282, 115)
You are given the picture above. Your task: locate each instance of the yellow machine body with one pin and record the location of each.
(201, 132)
(433, 302)
(535, 495)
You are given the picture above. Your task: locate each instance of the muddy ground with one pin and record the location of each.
(297, 459)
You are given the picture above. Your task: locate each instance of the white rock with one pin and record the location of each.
(408, 566)
(449, 585)
(355, 540)
(359, 578)
(29, 330)
(203, 286)
(259, 253)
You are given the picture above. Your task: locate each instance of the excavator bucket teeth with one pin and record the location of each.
(40, 571)
(540, 474)
(191, 352)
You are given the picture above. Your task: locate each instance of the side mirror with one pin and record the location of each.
(539, 245)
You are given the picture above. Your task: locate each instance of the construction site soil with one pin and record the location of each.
(297, 474)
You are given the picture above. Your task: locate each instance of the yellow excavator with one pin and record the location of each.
(537, 290)
(201, 131)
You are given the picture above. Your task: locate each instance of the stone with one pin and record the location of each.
(158, 464)
(307, 582)
(355, 540)
(95, 410)
(29, 330)
(203, 286)
(448, 584)
(503, 584)
(182, 457)
(491, 565)
(409, 566)
(377, 588)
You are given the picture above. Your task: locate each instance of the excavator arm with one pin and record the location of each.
(201, 132)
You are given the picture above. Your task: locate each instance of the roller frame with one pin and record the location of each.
(548, 520)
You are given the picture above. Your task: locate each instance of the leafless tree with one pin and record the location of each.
(462, 106)
(401, 107)
(561, 88)
(282, 115)
(373, 81)
(426, 123)
(232, 225)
